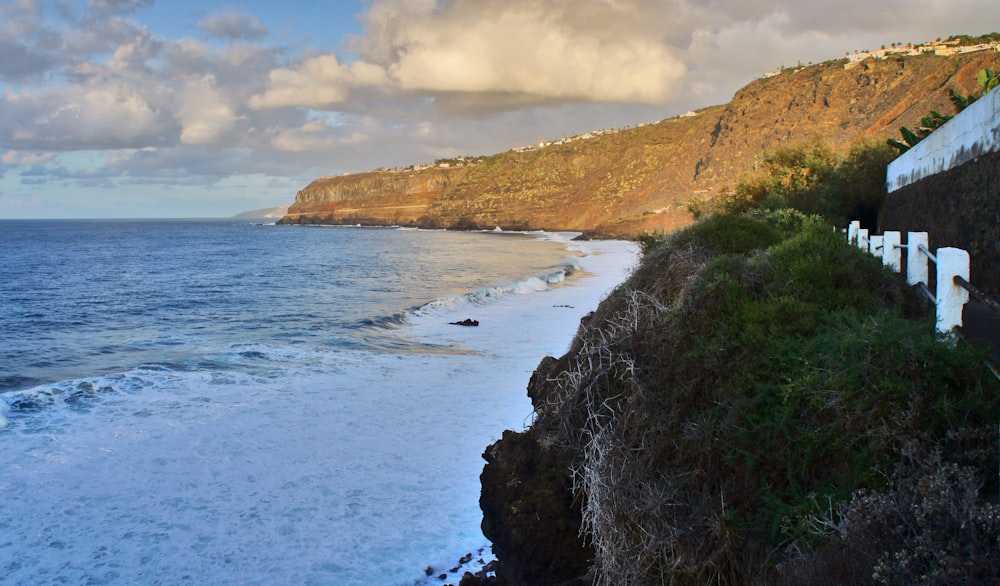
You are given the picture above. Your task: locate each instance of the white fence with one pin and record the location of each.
(952, 269)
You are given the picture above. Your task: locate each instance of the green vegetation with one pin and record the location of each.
(986, 79)
(928, 124)
(965, 40)
(816, 181)
(763, 403)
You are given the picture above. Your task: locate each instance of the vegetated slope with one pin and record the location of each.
(641, 179)
(759, 403)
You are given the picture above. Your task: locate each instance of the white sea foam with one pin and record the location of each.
(533, 284)
(294, 464)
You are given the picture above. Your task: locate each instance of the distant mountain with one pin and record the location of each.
(627, 181)
(264, 214)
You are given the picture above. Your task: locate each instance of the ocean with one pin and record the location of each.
(221, 402)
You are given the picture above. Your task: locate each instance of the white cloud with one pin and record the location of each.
(134, 53)
(107, 115)
(314, 136)
(18, 62)
(203, 111)
(563, 50)
(26, 158)
(105, 7)
(318, 82)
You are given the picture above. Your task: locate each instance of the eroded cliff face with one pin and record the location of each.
(642, 179)
(377, 197)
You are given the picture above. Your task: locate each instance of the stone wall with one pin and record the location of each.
(967, 136)
(959, 207)
(949, 186)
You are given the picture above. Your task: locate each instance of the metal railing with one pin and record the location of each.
(951, 274)
(951, 282)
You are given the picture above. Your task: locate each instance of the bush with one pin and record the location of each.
(751, 368)
(816, 181)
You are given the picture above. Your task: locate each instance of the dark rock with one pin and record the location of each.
(538, 383)
(529, 513)
(465, 223)
(470, 580)
(465, 322)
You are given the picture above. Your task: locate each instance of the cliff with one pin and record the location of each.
(760, 403)
(641, 179)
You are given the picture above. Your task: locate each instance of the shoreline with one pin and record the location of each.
(475, 568)
(349, 457)
(585, 235)
(609, 263)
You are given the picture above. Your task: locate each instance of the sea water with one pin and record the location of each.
(230, 403)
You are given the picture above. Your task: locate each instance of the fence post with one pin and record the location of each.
(916, 261)
(852, 232)
(862, 239)
(875, 246)
(951, 297)
(892, 255)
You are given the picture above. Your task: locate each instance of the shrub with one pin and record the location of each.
(751, 368)
(816, 181)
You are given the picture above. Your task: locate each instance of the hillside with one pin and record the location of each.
(641, 179)
(759, 403)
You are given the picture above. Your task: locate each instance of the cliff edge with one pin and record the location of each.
(638, 180)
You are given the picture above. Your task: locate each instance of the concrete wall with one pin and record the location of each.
(972, 133)
(949, 186)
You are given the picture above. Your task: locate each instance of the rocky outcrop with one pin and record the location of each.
(377, 198)
(529, 512)
(641, 179)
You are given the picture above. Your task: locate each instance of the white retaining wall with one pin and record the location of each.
(973, 132)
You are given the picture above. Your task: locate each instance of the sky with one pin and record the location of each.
(184, 108)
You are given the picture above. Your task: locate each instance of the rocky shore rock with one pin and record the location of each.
(529, 512)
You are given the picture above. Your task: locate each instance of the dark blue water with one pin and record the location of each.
(82, 298)
(225, 403)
